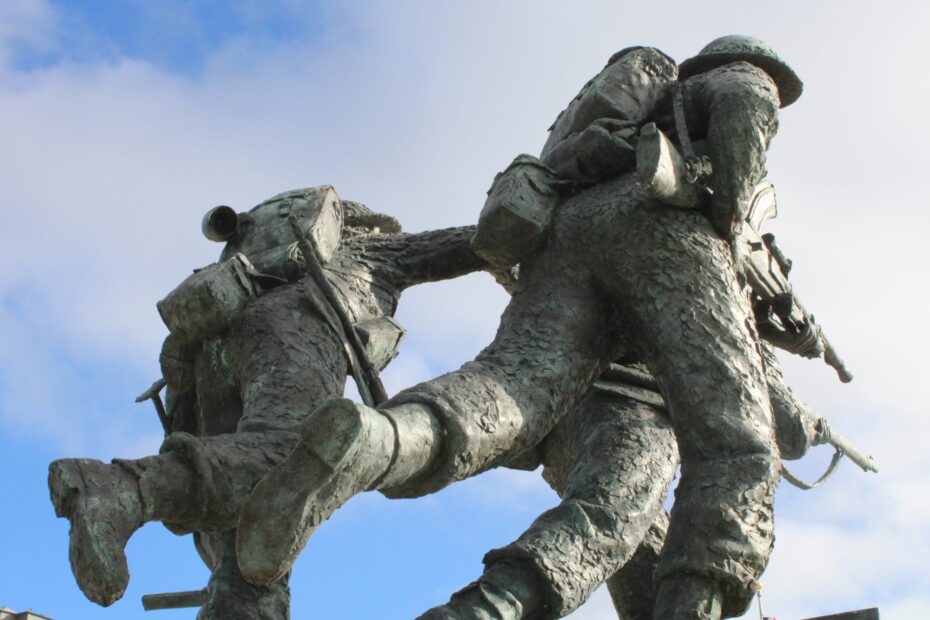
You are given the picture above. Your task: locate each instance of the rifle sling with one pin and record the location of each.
(330, 307)
(808, 486)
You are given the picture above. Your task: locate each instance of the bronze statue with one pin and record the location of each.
(244, 367)
(615, 271)
(644, 305)
(246, 362)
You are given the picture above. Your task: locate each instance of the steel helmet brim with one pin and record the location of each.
(786, 80)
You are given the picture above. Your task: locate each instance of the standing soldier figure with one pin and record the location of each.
(618, 271)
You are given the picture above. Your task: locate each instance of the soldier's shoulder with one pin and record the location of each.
(736, 70)
(738, 74)
(649, 59)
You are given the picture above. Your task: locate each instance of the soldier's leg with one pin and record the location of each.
(552, 341)
(633, 587)
(722, 520)
(287, 361)
(231, 597)
(697, 331)
(611, 460)
(285, 365)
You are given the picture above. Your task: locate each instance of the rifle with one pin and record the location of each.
(781, 318)
(666, 176)
(332, 310)
(842, 447)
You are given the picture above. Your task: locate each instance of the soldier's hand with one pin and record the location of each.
(507, 277)
(807, 342)
(726, 217)
(605, 148)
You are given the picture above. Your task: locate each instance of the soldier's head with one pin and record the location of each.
(735, 48)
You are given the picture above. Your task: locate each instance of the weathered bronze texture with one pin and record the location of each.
(645, 306)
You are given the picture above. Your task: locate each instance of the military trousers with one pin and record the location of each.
(611, 460)
(620, 270)
(278, 362)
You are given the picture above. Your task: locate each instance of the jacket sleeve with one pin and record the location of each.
(177, 368)
(594, 136)
(738, 105)
(407, 259)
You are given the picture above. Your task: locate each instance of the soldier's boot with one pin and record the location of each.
(106, 503)
(504, 592)
(346, 448)
(685, 596)
(102, 502)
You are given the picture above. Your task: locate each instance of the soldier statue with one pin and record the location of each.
(238, 390)
(617, 272)
(243, 374)
(630, 326)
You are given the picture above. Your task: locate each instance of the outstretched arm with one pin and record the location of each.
(795, 423)
(407, 259)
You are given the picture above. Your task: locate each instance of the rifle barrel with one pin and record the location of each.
(830, 357)
(865, 462)
(174, 600)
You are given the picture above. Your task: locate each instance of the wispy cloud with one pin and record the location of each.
(109, 161)
(26, 26)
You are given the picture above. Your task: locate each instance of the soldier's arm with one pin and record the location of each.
(177, 368)
(603, 149)
(739, 104)
(795, 423)
(406, 259)
(594, 137)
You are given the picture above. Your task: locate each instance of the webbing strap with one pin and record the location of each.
(787, 475)
(363, 371)
(681, 125)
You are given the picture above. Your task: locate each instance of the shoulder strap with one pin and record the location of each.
(681, 125)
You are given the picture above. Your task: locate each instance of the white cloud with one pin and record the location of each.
(520, 491)
(107, 167)
(909, 608)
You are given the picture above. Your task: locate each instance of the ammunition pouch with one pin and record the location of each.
(205, 304)
(518, 209)
(381, 338)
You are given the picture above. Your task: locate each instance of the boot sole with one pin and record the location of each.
(100, 570)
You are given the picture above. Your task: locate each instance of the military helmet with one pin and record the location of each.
(734, 48)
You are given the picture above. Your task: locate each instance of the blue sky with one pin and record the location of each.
(123, 121)
(174, 36)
